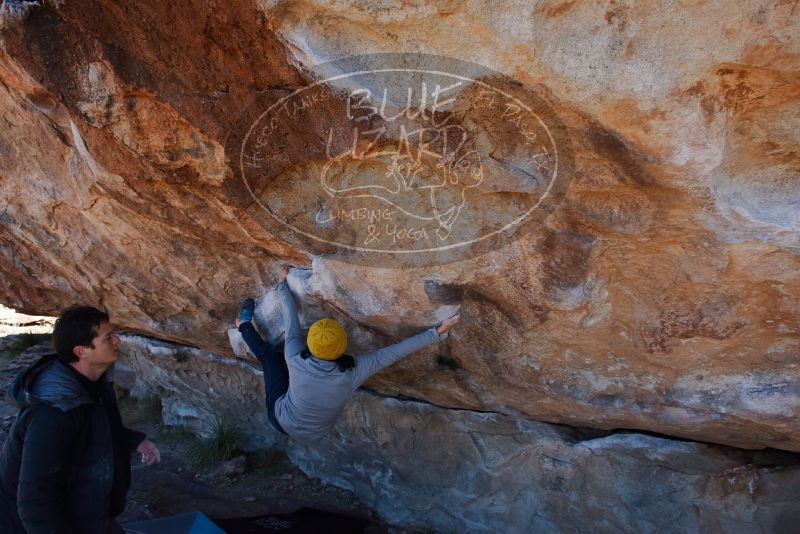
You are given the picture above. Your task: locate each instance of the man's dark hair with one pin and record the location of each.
(76, 327)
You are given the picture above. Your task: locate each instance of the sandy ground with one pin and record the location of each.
(264, 485)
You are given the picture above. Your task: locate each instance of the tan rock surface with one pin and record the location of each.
(662, 294)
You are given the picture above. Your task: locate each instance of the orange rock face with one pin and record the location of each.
(661, 292)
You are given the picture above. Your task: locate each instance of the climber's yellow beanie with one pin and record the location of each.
(327, 339)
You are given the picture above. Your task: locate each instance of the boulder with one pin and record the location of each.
(455, 470)
(657, 289)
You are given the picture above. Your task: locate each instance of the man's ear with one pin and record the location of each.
(78, 351)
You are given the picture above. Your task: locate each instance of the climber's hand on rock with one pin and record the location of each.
(448, 324)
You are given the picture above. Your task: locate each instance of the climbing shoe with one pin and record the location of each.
(247, 309)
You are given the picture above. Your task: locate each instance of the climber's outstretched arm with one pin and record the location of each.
(368, 365)
(293, 344)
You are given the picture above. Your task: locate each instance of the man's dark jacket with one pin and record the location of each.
(57, 469)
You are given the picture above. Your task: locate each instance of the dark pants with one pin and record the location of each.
(276, 377)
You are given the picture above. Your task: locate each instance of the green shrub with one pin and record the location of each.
(21, 344)
(222, 444)
(28, 340)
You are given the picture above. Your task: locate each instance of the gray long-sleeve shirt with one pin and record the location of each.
(318, 390)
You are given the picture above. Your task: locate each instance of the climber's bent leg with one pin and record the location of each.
(276, 378)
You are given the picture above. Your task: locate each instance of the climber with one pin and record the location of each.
(305, 400)
(66, 465)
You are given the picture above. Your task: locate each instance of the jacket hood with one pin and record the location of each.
(49, 381)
